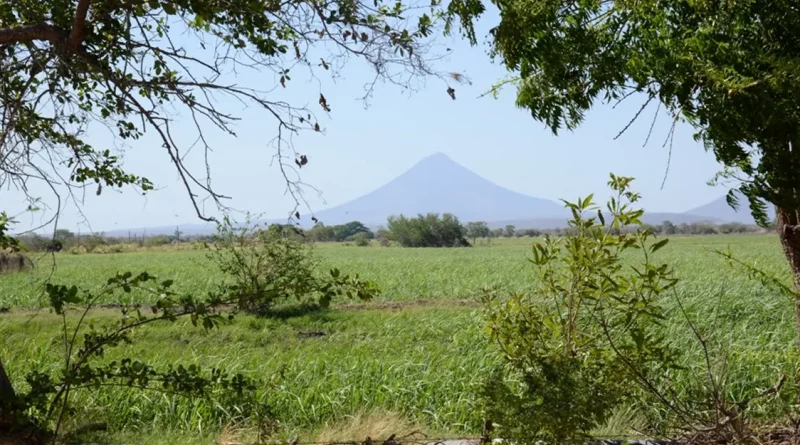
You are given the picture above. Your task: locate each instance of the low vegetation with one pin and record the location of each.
(417, 351)
(293, 364)
(11, 262)
(264, 267)
(590, 338)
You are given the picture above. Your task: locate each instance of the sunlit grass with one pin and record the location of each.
(421, 363)
(402, 274)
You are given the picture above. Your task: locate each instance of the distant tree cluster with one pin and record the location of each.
(66, 240)
(354, 231)
(530, 233)
(431, 230)
(704, 228)
(480, 229)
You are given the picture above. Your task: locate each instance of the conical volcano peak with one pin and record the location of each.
(438, 184)
(436, 157)
(436, 160)
(439, 167)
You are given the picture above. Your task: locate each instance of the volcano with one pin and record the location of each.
(437, 184)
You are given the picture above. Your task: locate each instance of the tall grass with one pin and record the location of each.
(421, 363)
(403, 274)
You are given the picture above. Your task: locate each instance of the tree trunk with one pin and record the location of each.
(786, 222)
(7, 397)
(7, 393)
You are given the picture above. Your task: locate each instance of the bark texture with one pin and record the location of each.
(789, 234)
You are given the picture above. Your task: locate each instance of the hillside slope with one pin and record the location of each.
(440, 185)
(719, 209)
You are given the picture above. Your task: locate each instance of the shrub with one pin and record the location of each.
(55, 246)
(264, 268)
(77, 250)
(91, 242)
(532, 233)
(361, 239)
(429, 230)
(100, 249)
(11, 262)
(579, 342)
(34, 242)
(347, 232)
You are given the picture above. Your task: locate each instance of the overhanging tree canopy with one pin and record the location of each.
(134, 65)
(137, 65)
(729, 68)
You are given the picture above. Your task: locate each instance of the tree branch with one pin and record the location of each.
(18, 34)
(79, 24)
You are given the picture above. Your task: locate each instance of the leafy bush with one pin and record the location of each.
(34, 242)
(361, 239)
(77, 250)
(429, 230)
(55, 245)
(265, 267)
(11, 262)
(350, 230)
(575, 344)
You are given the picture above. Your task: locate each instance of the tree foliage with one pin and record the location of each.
(339, 233)
(431, 230)
(728, 68)
(577, 342)
(477, 229)
(131, 65)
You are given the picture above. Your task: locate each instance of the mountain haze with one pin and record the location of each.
(720, 210)
(437, 184)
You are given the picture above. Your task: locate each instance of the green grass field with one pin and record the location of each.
(420, 361)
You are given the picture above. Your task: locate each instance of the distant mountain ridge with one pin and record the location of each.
(720, 209)
(437, 184)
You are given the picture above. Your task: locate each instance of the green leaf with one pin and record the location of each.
(657, 246)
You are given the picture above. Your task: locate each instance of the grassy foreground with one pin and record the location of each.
(317, 368)
(418, 363)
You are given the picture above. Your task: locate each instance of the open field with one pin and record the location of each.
(402, 274)
(421, 362)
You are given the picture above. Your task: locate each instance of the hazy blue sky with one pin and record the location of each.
(363, 148)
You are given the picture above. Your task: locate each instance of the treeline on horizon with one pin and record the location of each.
(430, 230)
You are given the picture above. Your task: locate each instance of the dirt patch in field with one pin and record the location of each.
(395, 305)
(379, 305)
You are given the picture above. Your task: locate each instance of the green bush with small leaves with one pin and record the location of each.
(266, 266)
(576, 345)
